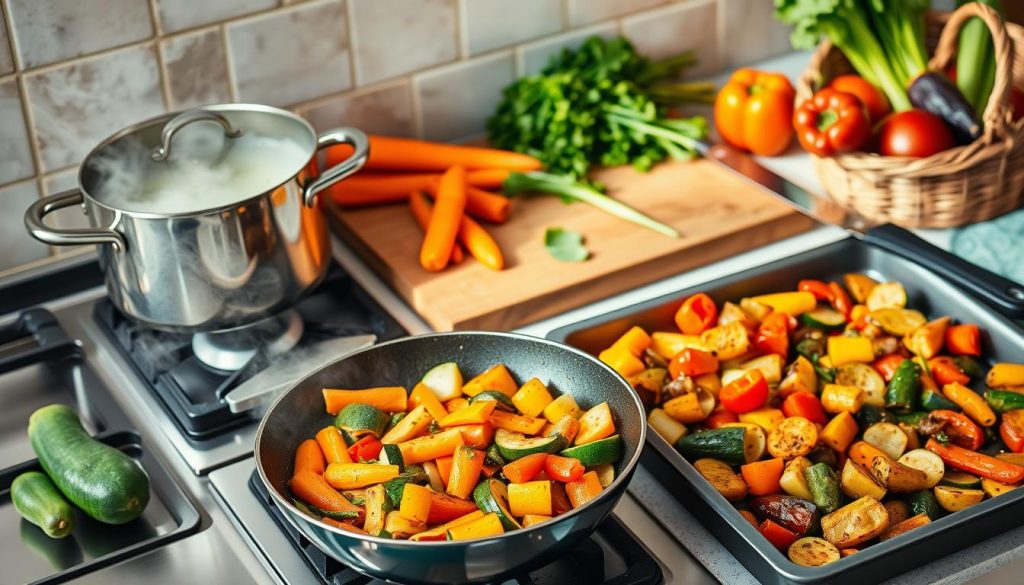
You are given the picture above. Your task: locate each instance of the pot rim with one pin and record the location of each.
(225, 107)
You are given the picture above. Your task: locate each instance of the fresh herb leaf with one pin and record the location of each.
(565, 245)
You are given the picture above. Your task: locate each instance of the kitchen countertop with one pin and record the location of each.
(987, 563)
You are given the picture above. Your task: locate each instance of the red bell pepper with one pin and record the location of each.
(365, 449)
(779, 536)
(962, 431)
(773, 334)
(525, 468)
(977, 463)
(564, 469)
(840, 300)
(697, 314)
(945, 371)
(964, 339)
(1012, 430)
(886, 366)
(746, 393)
(720, 417)
(692, 362)
(832, 122)
(806, 405)
(819, 289)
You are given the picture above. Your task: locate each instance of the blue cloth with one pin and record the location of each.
(997, 245)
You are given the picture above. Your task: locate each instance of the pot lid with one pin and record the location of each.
(199, 160)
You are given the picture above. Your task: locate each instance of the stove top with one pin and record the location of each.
(192, 392)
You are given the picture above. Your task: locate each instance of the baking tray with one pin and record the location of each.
(927, 291)
(33, 557)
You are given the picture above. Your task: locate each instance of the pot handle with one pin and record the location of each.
(350, 165)
(58, 237)
(184, 119)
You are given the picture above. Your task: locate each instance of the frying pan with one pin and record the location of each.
(299, 413)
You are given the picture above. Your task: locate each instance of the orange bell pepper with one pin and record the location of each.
(754, 111)
(583, 489)
(964, 339)
(526, 468)
(762, 477)
(697, 314)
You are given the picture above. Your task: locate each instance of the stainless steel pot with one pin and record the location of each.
(211, 268)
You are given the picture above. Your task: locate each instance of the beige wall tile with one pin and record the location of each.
(582, 12)
(386, 111)
(15, 155)
(751, 32)
(535, 56)
(492, 24)
(676, 28)
(6, 61)
(456, 101)
(177, 15)
(393, 37)
(18, 247)
(76, 106)
(197, 69)
(291, 56)
(48, 31)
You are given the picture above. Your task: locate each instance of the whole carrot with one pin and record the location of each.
(381, 188)
(421, 210)
(480, 244)
(406, 154)
(977, 463)
(484, 205)
(444, 222)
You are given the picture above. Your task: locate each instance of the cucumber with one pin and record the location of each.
(1002, 400)
(494, 457)
(38, 501)
(607, 450)
(824, 486)
(105, 483)
(924, 502)
(725, 444)
(827, 319)
(504, 402)
(933, 400)
(870, 414)
(391, 455)
(513, 445)
(359, 420)
(444, 380)
(394, 486)
(491, 495)
(901, 395)
(961, 480)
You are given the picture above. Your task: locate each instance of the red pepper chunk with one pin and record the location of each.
(964, 340)
(886, 366)
(746, 393)
(1012, 430)
(365, 449)
(819, 289)
(946, 371)
(697, 314)
(773, 334)
(692, 362)
(832, 122)
(840, 300)
(563, 469)
(806, 405)
(962, 431)
(779, 536)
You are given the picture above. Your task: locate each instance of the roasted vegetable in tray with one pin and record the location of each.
(452, 460)
(833, 416)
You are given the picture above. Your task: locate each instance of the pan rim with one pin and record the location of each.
(613, 488)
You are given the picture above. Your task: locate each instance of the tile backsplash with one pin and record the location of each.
(74, 71)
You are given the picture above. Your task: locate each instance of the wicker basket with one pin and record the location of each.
(958, 186)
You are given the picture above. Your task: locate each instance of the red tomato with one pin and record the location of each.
(365, 449)
(773, 334)
(914, 133)
(564, 469)
(692, 362)
(874, 101)
(946, 371)
(746, 393)
(696, 314)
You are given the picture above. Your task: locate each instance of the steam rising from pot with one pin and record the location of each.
(206, 170)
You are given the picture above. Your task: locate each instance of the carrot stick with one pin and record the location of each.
(480, 244)
(444, 222)
(421, 210)
(482, 204)
(405, 154)
(309, 457)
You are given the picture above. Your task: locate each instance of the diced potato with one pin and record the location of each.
(896, 529)
(801, 377)
(855, 523)
(770, 366)
(888, 437)
(691, 407)
(837, 398)
(731, 374)
(926, 461)
(859, 285)
(953, 499)
(856, 482)
(757, 310)
(898, 511)
(897, 477)
(897, 321)
(721, 477)
(864, 377)
(793, 481)
(710, 383)
(993, 488)
(792, 437)
(926, 341)
(811, 551)
(1015, 458)
(913, 439)
(727, 341)
(669, 428)
(1004, 375)
(732, 313)
(886, 294)
(765, 417)
(668, 344)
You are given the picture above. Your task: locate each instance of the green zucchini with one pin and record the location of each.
(1002, 401)
(314, 511)
(960, 479)
(824, 487)
(976, 60)
(933, 400)
(392, 455)
(607, 450)
(394, 486)
(904, 387)
(359, 420)
(504, 402)
(969, 366)
(924, 502)
(811, 348)
(494, 457)
(870, 414)
(38, 501)
(491, 495)
(827, 319)
(911, 418)
(395, 419)
(513, 445)
(725, 444)
(104, 482)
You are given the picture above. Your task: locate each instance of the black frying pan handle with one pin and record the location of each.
(1003, 294)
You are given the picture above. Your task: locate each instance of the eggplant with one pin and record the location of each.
(790, 512)
(936, 94)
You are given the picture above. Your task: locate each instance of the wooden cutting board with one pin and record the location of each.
(716, 213)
